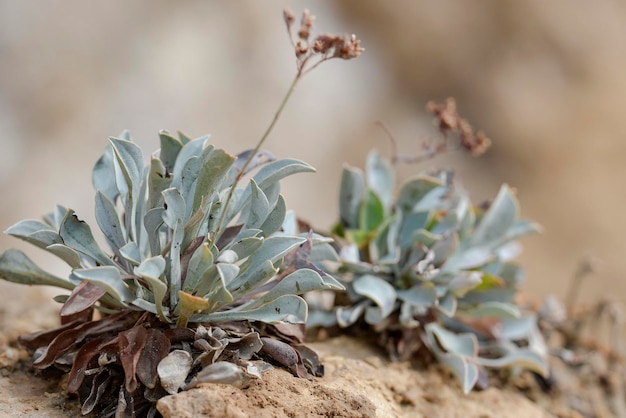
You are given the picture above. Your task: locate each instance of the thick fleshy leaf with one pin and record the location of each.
(77, 235)
(175, 267)
(151, 270)
(421, 295)
(378, 290)
(519, 357)
(259, 207)
(65, 253)
(107, 278)
(380, 178)
(371, 212)
(175, 207)
(16, 267)
(103, 177)
(464, 282)
(468, 258)
(494, 310)
(414, 190)
(500, 216)
(34, 232)
(131, 253)
(214, 169)
(252, 278)
(275, 218)
(465, 371)
(287, 308)
(272, 249)
(109, 221)
(464, 344)
(191, 149)
(351, 193)
(297, 283)
(170, 148)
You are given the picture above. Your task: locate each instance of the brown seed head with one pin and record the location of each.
(348, 47)
(306, 24)
(324, 43)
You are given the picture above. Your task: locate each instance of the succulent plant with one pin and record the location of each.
(427, 268)
(179, 255)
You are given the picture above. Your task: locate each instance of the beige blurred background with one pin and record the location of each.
(545, 80)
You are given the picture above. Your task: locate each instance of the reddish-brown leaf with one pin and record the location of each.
(284, 354)
(39, 339)
(228, 235)
(82, 297)
(131, 343)
(87, 357)
(176, 335)
(156, 348)
(68, 339)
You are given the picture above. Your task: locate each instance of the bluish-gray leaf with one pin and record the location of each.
(246, 246)
(109, 221)
(175, 267)
(288, 308)
(413, 191)
(34, 232)
(494, 310)
(424, 295)
(272, 249)
(297, 283)
(465, 344)
(521, 357)
(107, 278)
(170, 148)
(176, 207)
(380, 178)
(214, 168)
(259, 207)
(351, 192)
(16, 267)
(130, 252)
(252, 278)
(275, 218)
(65, 253)
(151, 270)
(378, 290)
(103, 177)
(77, 235)
(500, 216)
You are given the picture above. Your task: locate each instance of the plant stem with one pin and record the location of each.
(269, 129)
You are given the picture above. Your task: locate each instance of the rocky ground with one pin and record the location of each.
(359, 382)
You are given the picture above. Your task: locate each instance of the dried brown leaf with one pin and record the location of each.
(131, 343)
(156, 348)
(82, 298)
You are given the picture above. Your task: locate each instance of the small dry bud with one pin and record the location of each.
(301, 49)
(306, 24)
(289, 18)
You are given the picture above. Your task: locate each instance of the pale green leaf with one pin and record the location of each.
(16, 267)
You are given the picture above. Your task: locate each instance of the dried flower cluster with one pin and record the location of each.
(324, 47)
(449, 121)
